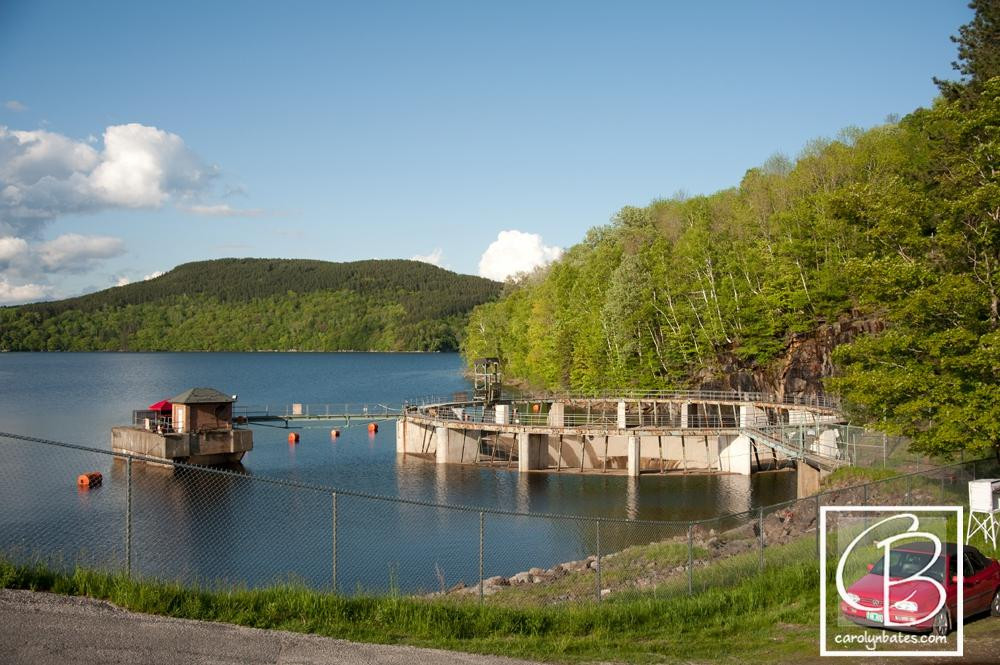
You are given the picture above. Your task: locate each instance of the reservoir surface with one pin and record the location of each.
(201, 527)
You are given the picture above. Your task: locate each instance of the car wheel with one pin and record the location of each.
(942, 623)
(995, 605)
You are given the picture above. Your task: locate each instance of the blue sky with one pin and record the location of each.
(344, 131)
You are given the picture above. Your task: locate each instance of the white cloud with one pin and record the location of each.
(14, 105)
(515, 252)
(123, 281)
(141, 166)
(73, 252)
(152, 275)
(12, 248)
(11, 294)
(29, 158)
(223, 210)
(434, 258)
(44, 175)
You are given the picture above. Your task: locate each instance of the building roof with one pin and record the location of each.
(202, 396)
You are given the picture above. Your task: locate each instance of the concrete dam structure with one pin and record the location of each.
(681, 432)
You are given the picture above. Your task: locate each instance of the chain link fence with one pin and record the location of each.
(220, 529)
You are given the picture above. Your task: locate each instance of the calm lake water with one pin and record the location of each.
(196, 526)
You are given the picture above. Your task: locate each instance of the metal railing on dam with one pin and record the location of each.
(724, 396)
(221, 529)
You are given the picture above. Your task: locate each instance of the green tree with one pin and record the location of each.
(933, 375)
(978, 52)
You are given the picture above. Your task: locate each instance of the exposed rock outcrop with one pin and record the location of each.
(801, 368)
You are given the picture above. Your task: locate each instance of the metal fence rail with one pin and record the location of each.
(821, 401)
(327, 409)
(219, 528)
(477, 413)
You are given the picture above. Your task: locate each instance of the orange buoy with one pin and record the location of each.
(293, 437)
(535, 408)
(91, 479)
(373, 427)
(334, 433)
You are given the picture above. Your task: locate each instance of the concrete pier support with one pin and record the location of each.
(441, 445)
(455, 446)
(685, 407)
(622, 415)
(502, 414)
(735, 455)
(808, 479)
(634, 447)
(530, 451)
(414, 437)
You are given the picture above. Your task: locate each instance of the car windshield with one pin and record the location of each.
(907, 564)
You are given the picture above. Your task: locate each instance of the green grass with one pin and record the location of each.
(737, 614)
(752, 620)
(850, 476)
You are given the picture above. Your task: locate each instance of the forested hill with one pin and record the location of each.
(255, 304)
(891, 233)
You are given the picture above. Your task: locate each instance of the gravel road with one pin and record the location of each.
(44, 628)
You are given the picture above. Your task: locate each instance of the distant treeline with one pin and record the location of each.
(257, 304)
(899, 223)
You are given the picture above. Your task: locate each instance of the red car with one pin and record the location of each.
(982, 588)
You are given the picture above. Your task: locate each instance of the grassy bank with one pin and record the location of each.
(738, 614)
(852, 476)
(752, 620)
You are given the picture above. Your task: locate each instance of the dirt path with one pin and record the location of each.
(44, 629)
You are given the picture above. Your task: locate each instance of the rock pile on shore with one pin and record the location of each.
(642, 571)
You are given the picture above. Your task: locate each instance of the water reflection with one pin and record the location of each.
(632, 498)
(649, 497)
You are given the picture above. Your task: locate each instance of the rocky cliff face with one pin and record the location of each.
(800, 370)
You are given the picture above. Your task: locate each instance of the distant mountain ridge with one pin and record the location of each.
(250, 304)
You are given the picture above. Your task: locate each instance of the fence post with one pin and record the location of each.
(760, 526)
(885, 448)
(974, 469)
(818, 553)
(334, 541)
(690, 558)
(909, 487)
(942, 489)
(482, 523)
(865, 503)
(597, 563)
(128, 516)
